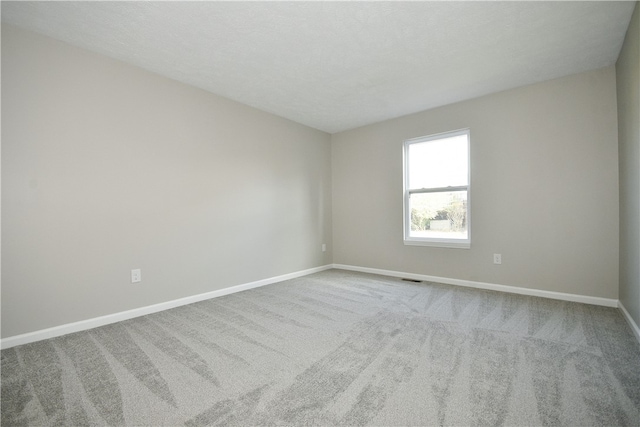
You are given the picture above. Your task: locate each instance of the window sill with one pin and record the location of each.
(438, 243)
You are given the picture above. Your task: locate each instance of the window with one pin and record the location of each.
(436, 190)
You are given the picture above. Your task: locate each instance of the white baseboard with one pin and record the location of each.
(130, 314)
(634, 326)
(607, 302)
(142, 311)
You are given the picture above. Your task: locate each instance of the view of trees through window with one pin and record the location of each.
(439, 214)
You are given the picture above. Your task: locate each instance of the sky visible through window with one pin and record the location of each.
(439, 163)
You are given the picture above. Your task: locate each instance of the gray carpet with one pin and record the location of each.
(337, 348)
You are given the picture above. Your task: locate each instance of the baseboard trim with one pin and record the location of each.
(489, 286)
(632, 323)
(142, 311)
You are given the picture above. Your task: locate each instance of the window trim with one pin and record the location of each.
(406, 214)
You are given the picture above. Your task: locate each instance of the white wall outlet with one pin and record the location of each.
(497, 258)
(136, 276)
(324, 247)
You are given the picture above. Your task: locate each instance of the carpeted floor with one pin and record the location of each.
(337, 348)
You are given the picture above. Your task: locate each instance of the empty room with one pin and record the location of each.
(320, 213)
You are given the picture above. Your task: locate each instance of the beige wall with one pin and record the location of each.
(544, 189)
(106, 167)
(628, 81)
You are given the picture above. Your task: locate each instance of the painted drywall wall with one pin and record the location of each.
(107, 168)
(628, 84)
(544, 189)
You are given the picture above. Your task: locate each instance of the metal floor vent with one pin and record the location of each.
(412, 280)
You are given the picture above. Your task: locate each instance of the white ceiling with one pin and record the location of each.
(339, 65)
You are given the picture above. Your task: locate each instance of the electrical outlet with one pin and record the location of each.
(497, 258)
(136, 276)
(324, 247)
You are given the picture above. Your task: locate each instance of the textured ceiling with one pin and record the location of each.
(339, 65)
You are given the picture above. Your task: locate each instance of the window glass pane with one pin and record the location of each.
(439, 163)
(439, 215)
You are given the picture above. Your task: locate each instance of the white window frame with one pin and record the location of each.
(432, 241)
